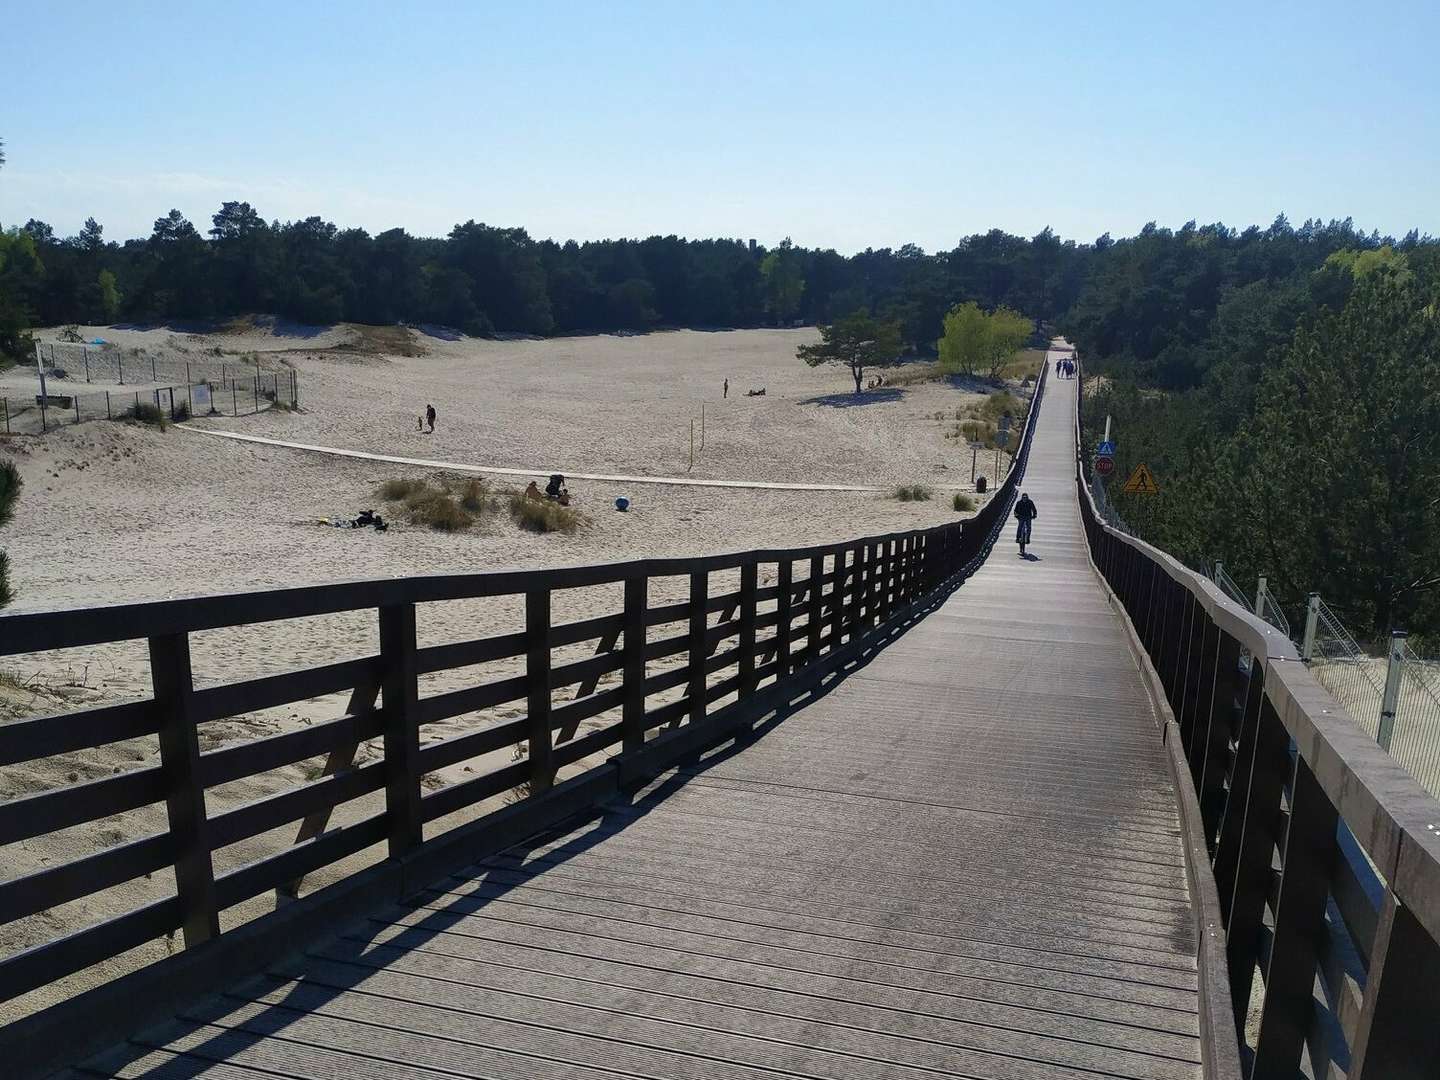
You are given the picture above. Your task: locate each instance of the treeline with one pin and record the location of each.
(482, 279)
(1284, 386)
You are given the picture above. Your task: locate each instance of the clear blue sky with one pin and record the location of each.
(839, 124)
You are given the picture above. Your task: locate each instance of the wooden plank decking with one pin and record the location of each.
(964, 860)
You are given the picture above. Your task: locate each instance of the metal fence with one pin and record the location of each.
(65, 402)
(111, 364)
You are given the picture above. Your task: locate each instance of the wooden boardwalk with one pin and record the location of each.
(963, 860)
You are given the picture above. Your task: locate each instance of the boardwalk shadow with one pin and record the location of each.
(432, 921)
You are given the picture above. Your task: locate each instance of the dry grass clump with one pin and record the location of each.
(448, 506)
(439, 510)
(963, 503)
(145, 413)
(542, 515)
(397, 489)
(912, 493)
(912, 374)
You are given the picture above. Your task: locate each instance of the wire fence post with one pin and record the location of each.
(107, 406)
(77, 408)
(153, 377)
(234, 407)
(86, 353)
(120, 363)
(1312, 620)
(1393, 670)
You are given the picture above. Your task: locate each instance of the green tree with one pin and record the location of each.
(962, 348)
(1006, 334)
(10, 485)
(109, 295)
(858, 342)
(1343, 457)
(784, 281)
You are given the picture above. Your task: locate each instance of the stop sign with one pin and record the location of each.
(1104, 465)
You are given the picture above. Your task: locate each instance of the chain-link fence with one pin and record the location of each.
(66, 402)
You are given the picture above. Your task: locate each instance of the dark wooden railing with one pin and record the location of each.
(1325, 853)
(766, 647)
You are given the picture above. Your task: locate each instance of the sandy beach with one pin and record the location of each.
(117, 512)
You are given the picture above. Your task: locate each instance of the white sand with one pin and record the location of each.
(112, 512)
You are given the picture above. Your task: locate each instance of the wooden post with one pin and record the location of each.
(1310, 849)
(86, 353)
(749, 574)
(817, 588)
(184, 796)
(837, 598)
(632, 708)
(153, 377)
(234, 407)
(537, 678)
(400, 704)
(187, 372)
(699, 589)
(783, 605)
(1398, 1038)
(76, 400)
(107, 406)
(120, 363)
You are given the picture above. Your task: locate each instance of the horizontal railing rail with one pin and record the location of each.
(758, 645)
(1325, 852)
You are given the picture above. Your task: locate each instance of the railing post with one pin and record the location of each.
(1299, 926)
(837, 598)
(1221, 723)
(1391, 701)
(1261, 588)
(748, 577)
(1312, 623)
(783, 604)
(399, 685)
(699, 597)
(1397, 1037)
(537, 689)
(632, 707)
(1258, 786)
(817, 588)
(174, 689)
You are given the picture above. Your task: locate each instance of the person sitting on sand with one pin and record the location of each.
(532, 491)
(555, 489)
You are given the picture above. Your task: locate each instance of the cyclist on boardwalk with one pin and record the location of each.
(1025, 512)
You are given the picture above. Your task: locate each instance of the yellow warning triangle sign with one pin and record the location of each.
(1141, 482)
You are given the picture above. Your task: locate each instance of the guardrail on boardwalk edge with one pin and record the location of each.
(1325, 853)
(851, 598)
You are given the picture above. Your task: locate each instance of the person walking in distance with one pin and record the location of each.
(430, 417)
(727, 389)
(1025, 513)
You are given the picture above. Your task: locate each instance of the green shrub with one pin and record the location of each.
(963, 503)
(542, 515)
(912, 493)
(182, 412)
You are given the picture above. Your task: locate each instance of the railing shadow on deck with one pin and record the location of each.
(857, 595)
(358, 948)
(1322, 854)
